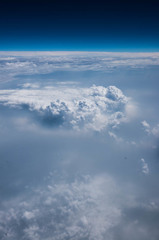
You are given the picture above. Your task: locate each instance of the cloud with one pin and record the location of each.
(30, 63)
(86, 208)
(155, 131)
(151, 130)
(140, 223)
(30, 85)
(116, 138)
(82, 209)
(145, 168)
(94, 108)
(54, 91)
(146, 126)
(28, 215)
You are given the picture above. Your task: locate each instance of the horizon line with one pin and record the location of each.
(74, 51)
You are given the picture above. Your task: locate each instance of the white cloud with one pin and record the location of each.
(30, 85)
(146, 126)
(94, 108)
(28, 215)
(145, 168)
(28, 63)
(82, 209)
(86, 208)
(151, 130)
(116, 138)
(155, 131)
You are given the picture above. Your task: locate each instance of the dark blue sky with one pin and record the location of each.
(115, 25)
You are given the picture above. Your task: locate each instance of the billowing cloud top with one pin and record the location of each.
(90, 108)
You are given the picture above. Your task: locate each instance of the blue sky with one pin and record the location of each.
(85, 25)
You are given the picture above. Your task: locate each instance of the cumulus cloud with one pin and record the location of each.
(94, 108)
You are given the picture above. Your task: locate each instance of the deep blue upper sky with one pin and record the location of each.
(115, 25)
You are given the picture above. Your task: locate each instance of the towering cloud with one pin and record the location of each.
(90, 108)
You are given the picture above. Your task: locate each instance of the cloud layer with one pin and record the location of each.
(31, 63)
(79, 146)
(87, 208)
(79, 210)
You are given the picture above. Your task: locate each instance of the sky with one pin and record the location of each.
(116, 25)
(79, 145)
